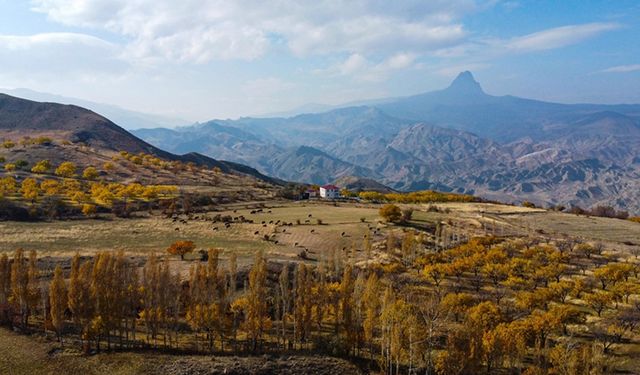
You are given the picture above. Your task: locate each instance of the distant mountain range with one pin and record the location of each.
(457, 139)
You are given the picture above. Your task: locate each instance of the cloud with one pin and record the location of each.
(199, 31)
(622, 69)
(490, 48)
(57, 55)
(558, 37)
(362, 69)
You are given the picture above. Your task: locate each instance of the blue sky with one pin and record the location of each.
(203, 59)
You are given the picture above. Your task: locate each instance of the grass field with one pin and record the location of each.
(144, 235)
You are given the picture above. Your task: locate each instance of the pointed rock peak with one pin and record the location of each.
(465, 84)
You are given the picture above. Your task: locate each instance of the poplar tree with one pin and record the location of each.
(257, 317)
(284, 294)
(20, 286)
(371, 301)
(58, 301)
(5, 287)
(346, 305)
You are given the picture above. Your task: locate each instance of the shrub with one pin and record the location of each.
(8, 144)
(9, 167)
(391, 213)
(181, 248)
(41, 167)
(21, 163)
(90, 173)
(66, 169)
(407, 214)
(528, 204)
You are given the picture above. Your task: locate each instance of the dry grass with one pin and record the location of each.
(32, 355)
(141, 236)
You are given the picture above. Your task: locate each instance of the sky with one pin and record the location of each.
(205, 59)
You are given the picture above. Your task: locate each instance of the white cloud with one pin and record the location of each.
(203, 30)
(490, 47)
(622, 69)
(362, 69)
(57, 55)
(558, 37)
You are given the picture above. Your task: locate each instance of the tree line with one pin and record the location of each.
(485, 305)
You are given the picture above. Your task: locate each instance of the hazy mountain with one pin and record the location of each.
(126, 118)
(457, 139)
(465, 106)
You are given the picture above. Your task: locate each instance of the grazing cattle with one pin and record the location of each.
(234, 211)
(177, 229)
(264, 225)
(270, 221)
(342, 234)
(309, 215)
(307, 221)
(215, 228)
(295, 244)
(313, 230)
(284, 231)
(269, 211)
(264, 222)
(256, 233)
(275, 242)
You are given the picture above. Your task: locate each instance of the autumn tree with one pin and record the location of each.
(66, 169)
(257, 317)
(90, 173)
(19, 286)
(58, 301)
(42, 166)
(30, 189)
(181, 248)
(5, 287)
(391, 213)
(7, 186)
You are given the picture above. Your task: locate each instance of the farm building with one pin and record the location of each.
(329, 192)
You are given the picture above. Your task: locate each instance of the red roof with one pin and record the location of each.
(330, 187)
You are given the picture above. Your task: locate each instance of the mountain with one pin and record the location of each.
(88, 135)
(126, 118)
(465, 106)
(458, 139)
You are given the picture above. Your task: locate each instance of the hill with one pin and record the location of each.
(83, 137)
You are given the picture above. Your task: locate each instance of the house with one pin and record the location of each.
(329, 192)
(309, 194)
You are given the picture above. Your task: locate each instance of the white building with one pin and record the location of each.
(329, 192)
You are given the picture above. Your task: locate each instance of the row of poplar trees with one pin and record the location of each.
(108, 300)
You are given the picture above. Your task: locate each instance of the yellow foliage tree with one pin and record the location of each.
(90, 173)
(66, 169)
(41, 167)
